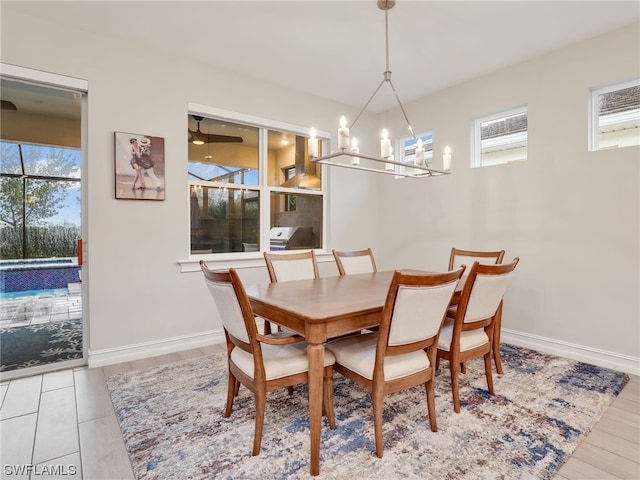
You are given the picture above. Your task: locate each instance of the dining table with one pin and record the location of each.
(325, 308)
(321, 309)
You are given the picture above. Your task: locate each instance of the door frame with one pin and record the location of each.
(81, 86)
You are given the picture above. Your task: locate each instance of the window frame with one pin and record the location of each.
(594, 111)
(476, 134)
(263, 188)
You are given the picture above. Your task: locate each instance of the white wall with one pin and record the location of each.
(572, 216)
(139, 302)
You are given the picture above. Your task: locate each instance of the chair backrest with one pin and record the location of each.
(357, 261)
(467, 257)
(233, 306)
(285, 267)
(483, 292)
(415, 308)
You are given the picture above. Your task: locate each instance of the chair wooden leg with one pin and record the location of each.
(431, 404)
(377, 401)
(496, 358)
(290, 390)
(497, 326)
(237, 389)
(230, 394)
(260, 400)
(267, 327)
(327, 392)
(455, 387)
(487, 369)
(463, 367)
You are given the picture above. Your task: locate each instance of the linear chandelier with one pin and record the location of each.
(349, 152)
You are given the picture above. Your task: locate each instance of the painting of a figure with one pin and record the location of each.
(139, 166)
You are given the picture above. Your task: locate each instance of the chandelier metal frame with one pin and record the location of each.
(408, 170)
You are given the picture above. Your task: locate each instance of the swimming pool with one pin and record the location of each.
(19, 277)
(51, 292)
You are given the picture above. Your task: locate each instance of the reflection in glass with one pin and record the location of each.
(295, 228)
(289, 164)
(224, 220)
(230, 153)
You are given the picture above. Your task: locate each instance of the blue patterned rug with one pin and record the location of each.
(40, 344)
(172, 422)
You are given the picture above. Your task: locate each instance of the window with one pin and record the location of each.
(40, 206)
(408, 150)
(615, 116)
(252, 186)
(500, 138)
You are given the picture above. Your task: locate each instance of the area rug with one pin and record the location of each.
(171, 418)
(40, 344)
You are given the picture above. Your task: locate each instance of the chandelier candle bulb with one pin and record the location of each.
(343, 134)
(419, 153)
(313, 144)
(355, 149)
(446, 159)
(390, 166)
(385, 145)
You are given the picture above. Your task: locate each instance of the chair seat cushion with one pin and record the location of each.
(468, 340)
(279, 360)
(358, 353)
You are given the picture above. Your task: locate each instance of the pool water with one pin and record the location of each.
(49, 292)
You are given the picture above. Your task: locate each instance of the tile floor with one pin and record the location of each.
(65, 420)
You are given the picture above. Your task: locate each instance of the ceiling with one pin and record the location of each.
(336, 49)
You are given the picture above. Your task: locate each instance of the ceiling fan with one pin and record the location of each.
(7, 105)
(199, 138)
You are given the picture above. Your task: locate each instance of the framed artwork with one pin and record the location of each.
(139, 166)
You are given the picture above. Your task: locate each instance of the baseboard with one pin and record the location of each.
(128, 353)
(602, 358)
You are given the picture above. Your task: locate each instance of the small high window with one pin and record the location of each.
(500, 138)
(615, 116)
(407, 147)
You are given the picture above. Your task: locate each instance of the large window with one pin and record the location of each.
(252, 186)
(615, 116)
(39, 200)
(500, 138)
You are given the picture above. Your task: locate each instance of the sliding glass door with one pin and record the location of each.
(41, 320)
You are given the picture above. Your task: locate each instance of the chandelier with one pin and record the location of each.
(348, 153)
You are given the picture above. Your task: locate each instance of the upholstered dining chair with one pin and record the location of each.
(356, 261)
(469, 334)
(402, 353)
(467, 257)
(285, 267)
(261, 363)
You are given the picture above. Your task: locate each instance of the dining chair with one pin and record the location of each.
(356, 261)
(467, 257)
(402, 354)
(262, 363)
(285, 267)
(469, 334)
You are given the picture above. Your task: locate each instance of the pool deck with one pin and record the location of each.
(32, 310)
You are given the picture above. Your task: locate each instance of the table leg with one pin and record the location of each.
(315, 354)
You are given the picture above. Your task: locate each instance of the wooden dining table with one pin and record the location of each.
(326, 308)
(319, 310)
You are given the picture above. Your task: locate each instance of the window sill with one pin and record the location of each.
(223, 261)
